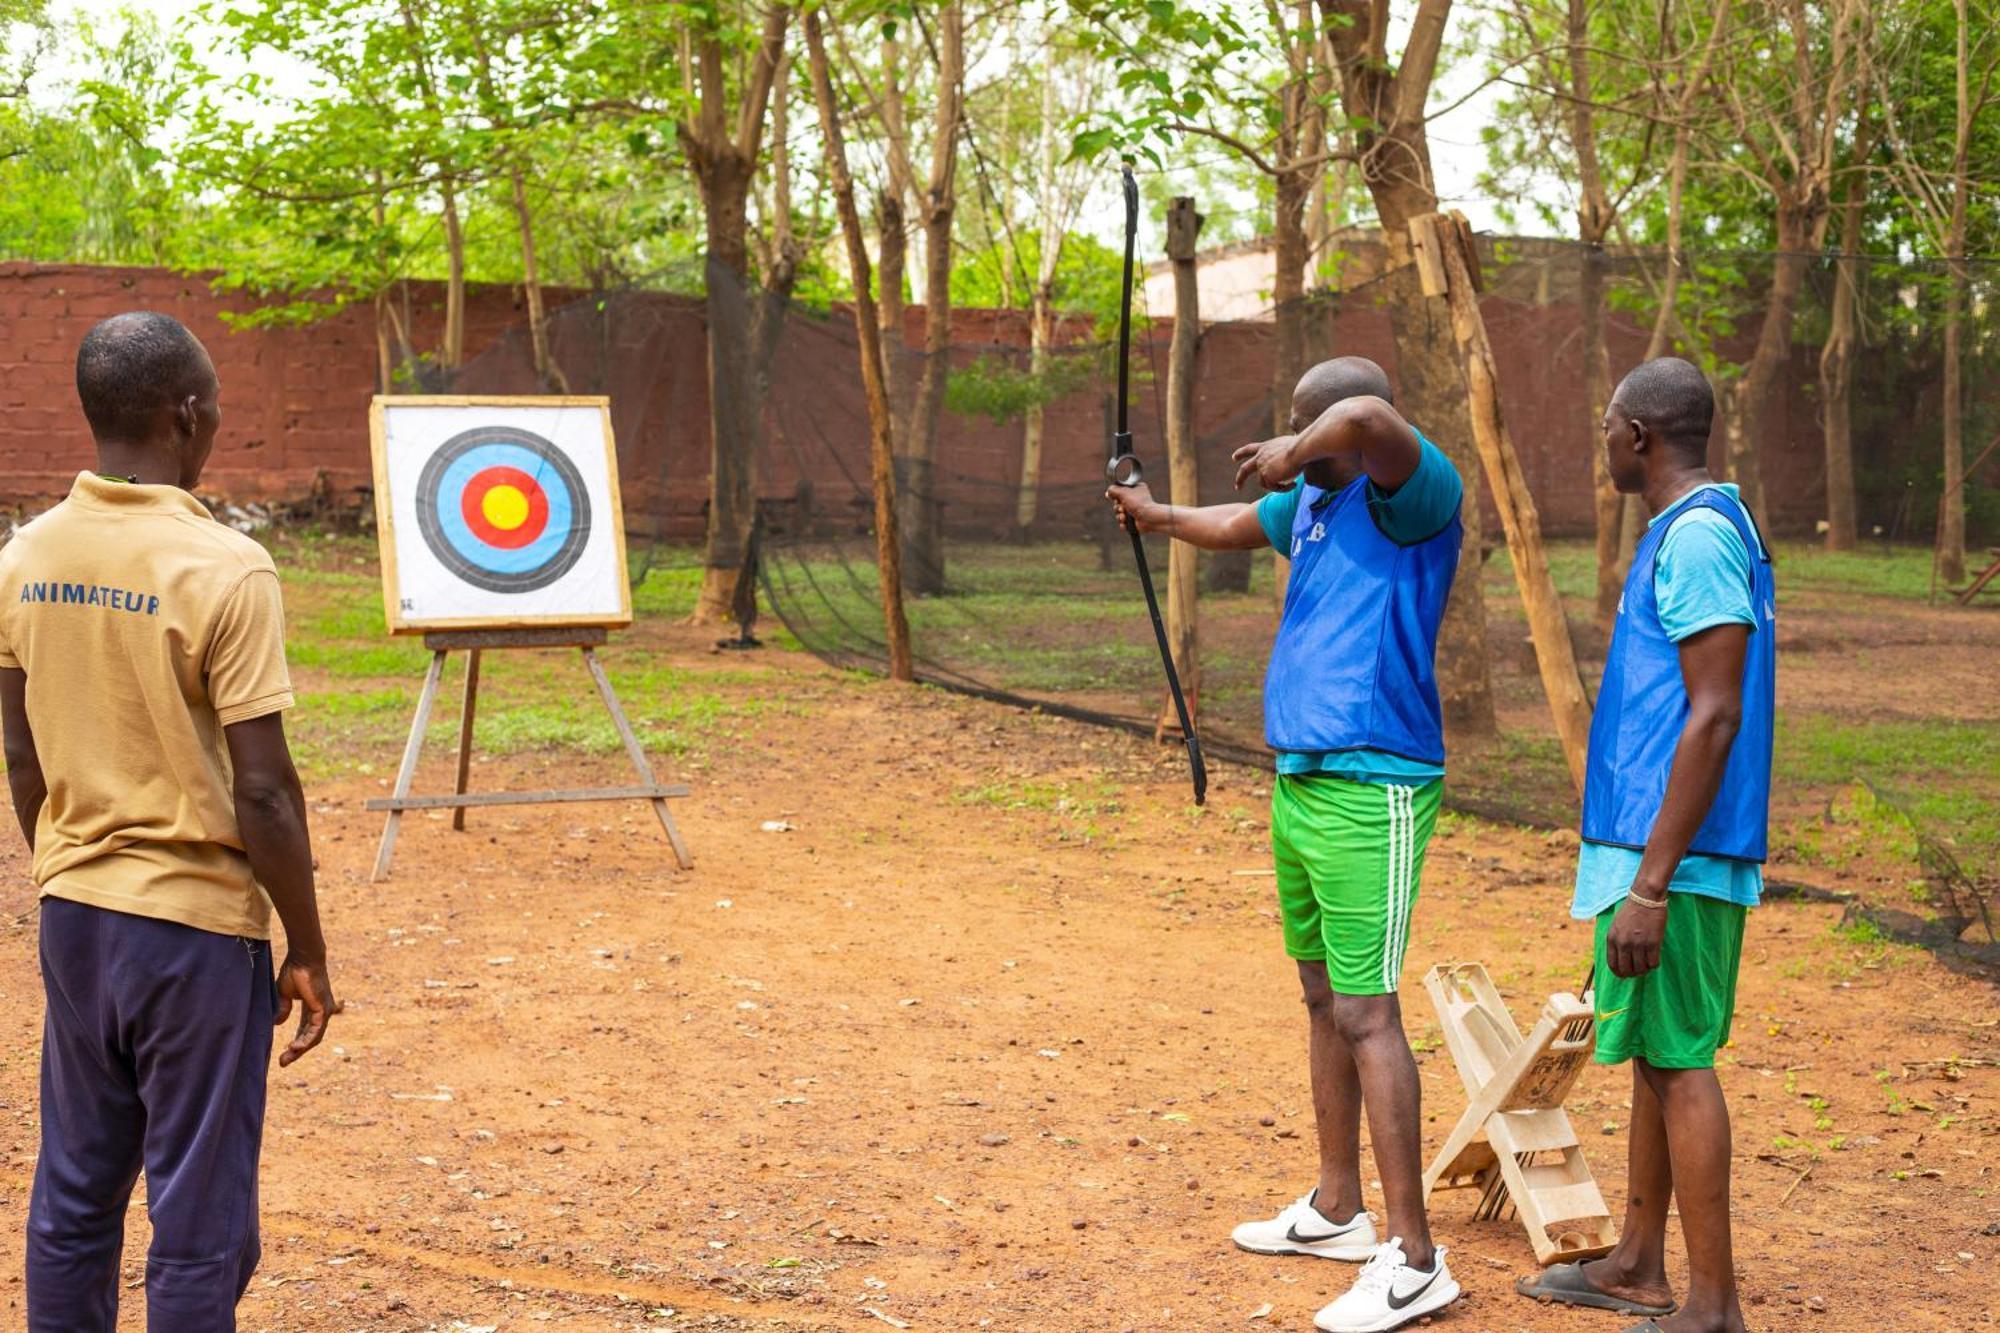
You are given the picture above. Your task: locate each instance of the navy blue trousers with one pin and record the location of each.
(154, 1054)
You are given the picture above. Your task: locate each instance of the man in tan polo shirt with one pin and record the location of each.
(142, 689)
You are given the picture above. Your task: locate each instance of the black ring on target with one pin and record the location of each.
(503, 509)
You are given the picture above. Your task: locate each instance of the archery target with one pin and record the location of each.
(499, 512)
(503, 509)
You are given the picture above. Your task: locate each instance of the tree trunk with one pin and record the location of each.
(384, 361)
(1388, 112)
(1594, 216)
(451, 351)
(1836, 375)
(1184, 472)
(1028, 499)
(1555, 655)
(1751, 400)
(1292, 187)
(1951, 515)
(894, 248)
(1288, 293)
(1607, 504)
(923, 507)
(1634, 519)
(868, 333)
(1041, 320)
(546, 370)
(724, 160)
(732, 486)
(452, 355)
(781, 263)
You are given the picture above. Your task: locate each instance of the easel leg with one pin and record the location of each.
(406, 775)
(465, 712)
(638, 754)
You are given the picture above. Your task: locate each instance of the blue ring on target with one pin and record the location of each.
(454, 474)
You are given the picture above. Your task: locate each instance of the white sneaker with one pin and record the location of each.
(1302, 1229)
(1389, 1293)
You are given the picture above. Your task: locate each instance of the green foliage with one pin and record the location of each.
(1004, 390)
(1087, 278)
(1179, 64)
(76, 188)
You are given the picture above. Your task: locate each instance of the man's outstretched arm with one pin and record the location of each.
(1230, 527)
(24, 767)
(271, 814)
(1367, 427)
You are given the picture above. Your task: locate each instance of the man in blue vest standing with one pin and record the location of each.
(1675, 807)
(1368, 511)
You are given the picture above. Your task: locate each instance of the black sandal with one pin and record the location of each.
(1565, 1284)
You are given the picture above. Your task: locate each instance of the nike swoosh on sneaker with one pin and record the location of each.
(1400, 1302)
(1292, 1235)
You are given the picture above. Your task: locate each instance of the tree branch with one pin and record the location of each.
(1420, 57)
(756, 98)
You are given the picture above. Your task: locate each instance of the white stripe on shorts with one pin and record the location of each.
(1401, 852)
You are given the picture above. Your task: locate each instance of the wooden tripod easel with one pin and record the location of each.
(473, 643)
(1515, 1143)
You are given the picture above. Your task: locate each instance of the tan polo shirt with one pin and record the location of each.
(145, 627)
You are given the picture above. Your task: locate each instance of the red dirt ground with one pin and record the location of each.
(998, 1035)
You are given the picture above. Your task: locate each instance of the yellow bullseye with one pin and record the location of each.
(504, 507)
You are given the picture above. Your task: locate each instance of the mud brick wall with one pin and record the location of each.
(295, 399)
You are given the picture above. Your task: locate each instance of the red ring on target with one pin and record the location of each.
(495, 528)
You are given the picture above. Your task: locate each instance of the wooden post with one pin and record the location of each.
(465, 712)
(1183, 631)
(1442, 246)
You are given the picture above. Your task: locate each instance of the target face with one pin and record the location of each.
(503, 509)
(498, 512)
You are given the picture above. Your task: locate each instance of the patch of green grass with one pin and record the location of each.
(1861, 933)
(1572, 564)
(1803, 567)
(1819, 749)
(1052, 797)
(1895, 571)
(1940, 772)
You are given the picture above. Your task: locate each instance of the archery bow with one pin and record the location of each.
(1124, 470)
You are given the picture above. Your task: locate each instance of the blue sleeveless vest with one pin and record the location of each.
(1353, 667)
(1643, 705)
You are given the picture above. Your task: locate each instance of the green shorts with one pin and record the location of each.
(1677, 1016)
(1349, 855)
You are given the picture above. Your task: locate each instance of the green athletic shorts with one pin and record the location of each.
(1677, 1016)
(1349, 855)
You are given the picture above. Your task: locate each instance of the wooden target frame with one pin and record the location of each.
(540, 499)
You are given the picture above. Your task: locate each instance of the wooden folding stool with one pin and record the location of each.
(1515, 1143)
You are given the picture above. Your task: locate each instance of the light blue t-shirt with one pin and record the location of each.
(1701, 579)
(1416, 511)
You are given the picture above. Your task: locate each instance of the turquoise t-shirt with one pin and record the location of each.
(1415, 511)
(1701, 579)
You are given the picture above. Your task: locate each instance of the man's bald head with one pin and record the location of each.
(1673, 400)
(1330, 381)
(135, 372)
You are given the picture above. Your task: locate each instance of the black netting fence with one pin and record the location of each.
(1021, 587)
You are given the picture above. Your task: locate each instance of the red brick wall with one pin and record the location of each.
(295, 399)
